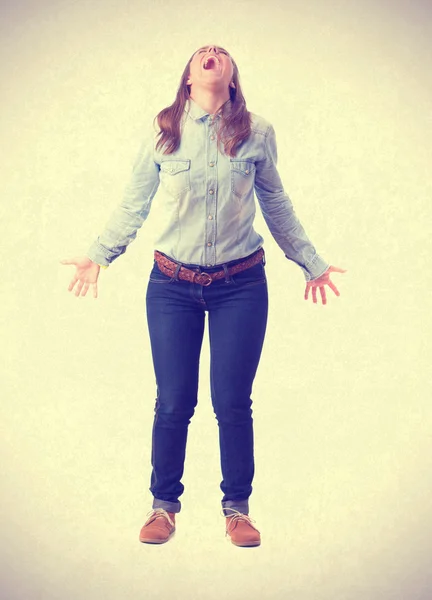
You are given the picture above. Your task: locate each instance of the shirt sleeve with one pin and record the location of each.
(279, 214)
(128, 217)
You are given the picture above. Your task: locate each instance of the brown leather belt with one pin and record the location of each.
(169, 267)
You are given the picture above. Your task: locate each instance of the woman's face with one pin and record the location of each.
(211, 66)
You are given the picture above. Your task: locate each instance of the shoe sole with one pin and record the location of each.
(153, 541)
(245, 544)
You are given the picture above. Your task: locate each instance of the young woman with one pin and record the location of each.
(206, 158)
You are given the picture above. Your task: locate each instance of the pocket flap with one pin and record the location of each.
(172, 167)
(245, 167)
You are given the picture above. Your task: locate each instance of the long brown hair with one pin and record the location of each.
(236, 119)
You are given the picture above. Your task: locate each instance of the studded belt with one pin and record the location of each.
(172, 268)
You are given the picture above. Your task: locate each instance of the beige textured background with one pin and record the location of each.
(342, 399)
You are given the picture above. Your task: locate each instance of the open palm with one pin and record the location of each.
(320, 284)
(86, 275)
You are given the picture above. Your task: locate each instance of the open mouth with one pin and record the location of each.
(211, 62)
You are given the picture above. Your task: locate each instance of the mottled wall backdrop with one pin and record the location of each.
(342, 398)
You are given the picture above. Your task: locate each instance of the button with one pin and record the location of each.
(209, 244)
(210, 217)
(211, 164)
(211, 191)
(209, 265)
(212, 137)
(247, 171)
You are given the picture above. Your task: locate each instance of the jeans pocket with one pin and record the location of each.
(156, 276)
(251, 276)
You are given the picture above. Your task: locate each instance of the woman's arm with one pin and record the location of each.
(279, 214)
(122, 225)
(285, 227)
(128, 217)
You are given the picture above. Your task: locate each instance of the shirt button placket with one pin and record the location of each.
(211, 197)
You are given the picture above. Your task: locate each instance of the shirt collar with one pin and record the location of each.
(195, 111)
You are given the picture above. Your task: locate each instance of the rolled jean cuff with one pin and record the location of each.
(173, 507)
(240, 505)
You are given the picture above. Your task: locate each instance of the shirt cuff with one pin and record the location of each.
(314, 268)
(96, 254)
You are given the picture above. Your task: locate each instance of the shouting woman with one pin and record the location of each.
(206, 157)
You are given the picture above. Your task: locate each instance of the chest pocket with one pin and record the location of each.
(242, 177)
(175, 176)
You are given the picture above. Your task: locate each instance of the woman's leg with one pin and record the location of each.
(237, 323)
(176, 326)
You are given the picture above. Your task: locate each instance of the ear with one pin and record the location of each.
(232, 84)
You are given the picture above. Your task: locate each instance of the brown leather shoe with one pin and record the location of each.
(240, 529)
(158, 528)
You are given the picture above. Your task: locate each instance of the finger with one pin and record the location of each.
(85, 289)
(72, 283)
(337, 270)
(323, 294)
(79, 288)
(95, 291)
(333, 287)
(308, 286)
(314, 296)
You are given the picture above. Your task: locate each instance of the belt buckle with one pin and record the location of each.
(199, 275)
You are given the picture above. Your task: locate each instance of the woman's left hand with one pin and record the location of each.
(320, 283)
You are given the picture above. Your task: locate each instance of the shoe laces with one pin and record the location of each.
(159, 512)
(236, 517)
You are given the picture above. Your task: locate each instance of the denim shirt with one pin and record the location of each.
(208, 199)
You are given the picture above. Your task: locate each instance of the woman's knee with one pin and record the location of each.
(230, 413)
(175, 407)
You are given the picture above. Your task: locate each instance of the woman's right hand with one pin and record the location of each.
(86, 275)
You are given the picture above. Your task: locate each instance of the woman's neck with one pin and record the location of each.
(209, 100)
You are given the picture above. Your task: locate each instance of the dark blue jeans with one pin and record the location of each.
(237, 316)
